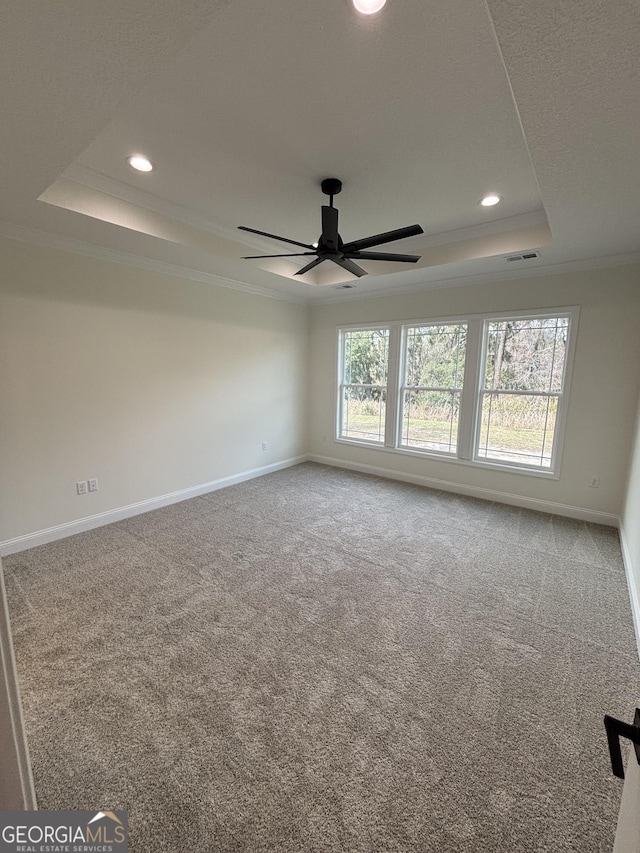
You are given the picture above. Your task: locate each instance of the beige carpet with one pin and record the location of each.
(324, 661)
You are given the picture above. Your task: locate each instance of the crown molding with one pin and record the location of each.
(103, 183)
(486, 229)
(91, 250)
(582, 265)
(100, 183)
(101, 253)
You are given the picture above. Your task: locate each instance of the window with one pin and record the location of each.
(523, 379)
(433, 374)
(365, 358)
(486, 391)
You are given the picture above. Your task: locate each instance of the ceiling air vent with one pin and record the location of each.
(525, 256)
(345, 286)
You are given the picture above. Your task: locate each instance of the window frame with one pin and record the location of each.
(342, 384)
(403, 388)
(469, 424)
(553, 471)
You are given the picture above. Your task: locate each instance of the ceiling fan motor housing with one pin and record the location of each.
(331, 186)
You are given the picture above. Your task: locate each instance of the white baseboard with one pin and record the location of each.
(41, 537)
(580, 513)
(60, 531)
(634, 592)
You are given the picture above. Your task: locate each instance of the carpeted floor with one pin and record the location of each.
(324, 661)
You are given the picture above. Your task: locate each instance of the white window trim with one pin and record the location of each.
(444, 454)
(363, 442)
(472, 389)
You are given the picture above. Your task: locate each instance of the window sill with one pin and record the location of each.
(433, 456)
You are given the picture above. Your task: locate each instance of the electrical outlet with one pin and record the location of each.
(81, 487)
(264, 445)
(93, 484)
(594, 482)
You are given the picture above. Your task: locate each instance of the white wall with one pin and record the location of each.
(156, 384)
(603, 393)
(150, 383)
(628, 831)
(630, 528)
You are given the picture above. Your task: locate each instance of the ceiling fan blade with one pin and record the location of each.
(350, 266)
(310, 266)
(382, 256)
(294, 255)
(275, 237)
(386, 237)
(330, 237)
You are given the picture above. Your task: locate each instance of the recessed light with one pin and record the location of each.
(490, 199)
(368, 7)
(140, 163)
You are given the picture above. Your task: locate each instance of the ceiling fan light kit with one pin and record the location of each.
(330, 246)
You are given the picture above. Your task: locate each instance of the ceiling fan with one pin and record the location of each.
(330, 246)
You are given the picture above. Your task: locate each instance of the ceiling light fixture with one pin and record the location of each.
(490, 199)
(140, 163)
(368, 7)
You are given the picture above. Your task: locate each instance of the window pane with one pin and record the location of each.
(517, 428)
(430, 420)
(366, 353)
(526, 355)
(363, 413)
(435, 356)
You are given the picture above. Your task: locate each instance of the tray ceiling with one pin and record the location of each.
(244, 107)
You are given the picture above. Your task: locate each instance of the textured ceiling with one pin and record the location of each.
(244, 107)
